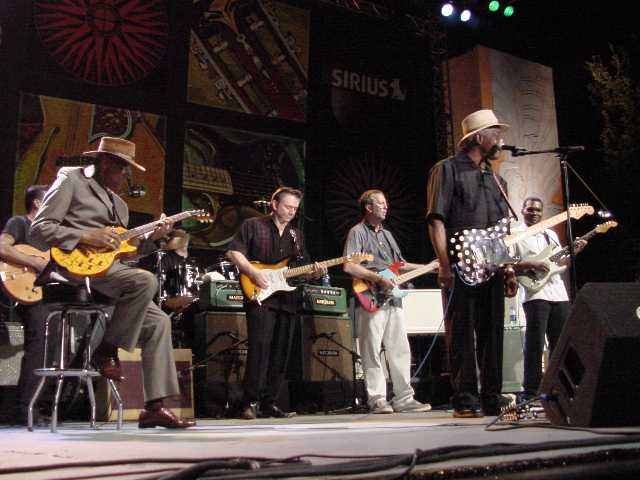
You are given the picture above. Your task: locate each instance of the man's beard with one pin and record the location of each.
(493, 153)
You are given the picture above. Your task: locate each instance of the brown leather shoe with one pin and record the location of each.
(163, 417)
(108, 366)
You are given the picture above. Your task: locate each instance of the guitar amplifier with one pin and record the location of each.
(224, 295)
(325, 300)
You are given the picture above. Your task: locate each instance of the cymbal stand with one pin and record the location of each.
(160, 275)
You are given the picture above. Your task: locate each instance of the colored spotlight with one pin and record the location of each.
(465, 15)
(508, 11)
(494, 6)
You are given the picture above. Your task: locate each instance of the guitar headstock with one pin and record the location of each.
(604, 227)
(201, 216)
(579, 210)
(360, 258)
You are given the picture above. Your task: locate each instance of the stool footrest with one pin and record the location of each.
(65, 372)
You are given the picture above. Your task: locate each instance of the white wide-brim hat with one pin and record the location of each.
(477, 121)
(118, 147)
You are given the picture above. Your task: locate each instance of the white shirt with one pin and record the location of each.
(554, 290)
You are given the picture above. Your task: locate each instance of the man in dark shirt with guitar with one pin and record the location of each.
(79, 214)
(21, 264)
(269, 240)
(382, 323)
(463, 193)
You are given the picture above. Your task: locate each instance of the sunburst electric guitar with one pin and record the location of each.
(534, 281)
(477, 253)
(371, 297)
(89, 261)
(279, 273)
(17, 280)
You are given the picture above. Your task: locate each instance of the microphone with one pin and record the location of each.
(517, 151)
(135, 190)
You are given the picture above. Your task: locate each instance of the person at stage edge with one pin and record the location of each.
(78, 210)
(16, 232)
(547, 309)
(386, 326)
(269, 239)
(462, 193)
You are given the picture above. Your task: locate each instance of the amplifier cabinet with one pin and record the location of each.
(423, 311)
(323, 300)
(11, 352)
(326, 341)
(131, 390)
(225, 295)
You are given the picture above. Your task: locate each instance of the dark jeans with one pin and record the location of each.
(543, 318)
(475, 327)
(270, 333)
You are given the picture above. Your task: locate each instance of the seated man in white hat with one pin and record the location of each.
(78, 211)
(464, 193)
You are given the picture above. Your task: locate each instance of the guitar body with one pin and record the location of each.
(17, 281)
(536, 280)
(277, 281)
(370, 297)
(89, 261)
(478, 253)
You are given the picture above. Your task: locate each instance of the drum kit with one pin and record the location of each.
(179, 286)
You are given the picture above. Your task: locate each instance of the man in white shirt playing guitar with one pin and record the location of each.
(547, 309)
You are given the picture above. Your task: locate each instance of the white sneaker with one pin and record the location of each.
(381, 406)
(411, 406)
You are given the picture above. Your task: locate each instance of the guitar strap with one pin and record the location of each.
(504, 195)
(296, 245)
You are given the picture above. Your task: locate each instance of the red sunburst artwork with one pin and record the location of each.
(107, 42)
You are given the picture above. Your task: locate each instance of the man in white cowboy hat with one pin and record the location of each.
(464, 193)
(78, 210)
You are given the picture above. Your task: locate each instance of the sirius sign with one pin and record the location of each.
(368, 84)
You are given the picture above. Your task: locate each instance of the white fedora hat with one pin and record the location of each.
(118, 147)
(477, 121)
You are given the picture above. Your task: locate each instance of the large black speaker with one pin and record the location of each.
(593, 379)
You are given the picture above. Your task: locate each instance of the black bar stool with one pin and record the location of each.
(64, 301)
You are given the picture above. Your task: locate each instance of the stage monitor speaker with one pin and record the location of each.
(593, 379)
(326, 342)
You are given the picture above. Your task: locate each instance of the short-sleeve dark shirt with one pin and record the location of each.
(18, 228)
(259, 240)
(463, 195)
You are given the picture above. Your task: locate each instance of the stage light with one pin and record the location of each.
(447, 9)
(494, 5)
(465, 15)
(508, 11)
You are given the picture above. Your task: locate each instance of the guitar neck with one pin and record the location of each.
(565, 250)
(405, 277)
(297, 271)
(514, 238)
(149, 227)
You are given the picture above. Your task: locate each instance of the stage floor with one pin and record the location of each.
(340, 438)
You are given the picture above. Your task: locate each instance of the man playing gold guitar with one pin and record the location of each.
(80, 211)
(547, 309)
(269, 240)
(20, 264)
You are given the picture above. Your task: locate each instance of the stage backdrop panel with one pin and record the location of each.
(53, 133)
(522, 95)
(250, 56)
(227, 171)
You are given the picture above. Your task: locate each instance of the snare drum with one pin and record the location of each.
(180, 285)
(227, 269)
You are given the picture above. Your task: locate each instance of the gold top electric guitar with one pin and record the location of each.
(87, 261)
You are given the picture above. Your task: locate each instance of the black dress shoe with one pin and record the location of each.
(248, 412)
(273, 411)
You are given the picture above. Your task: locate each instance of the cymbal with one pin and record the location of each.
(175, 243)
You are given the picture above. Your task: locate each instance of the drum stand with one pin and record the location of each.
(160, 275)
